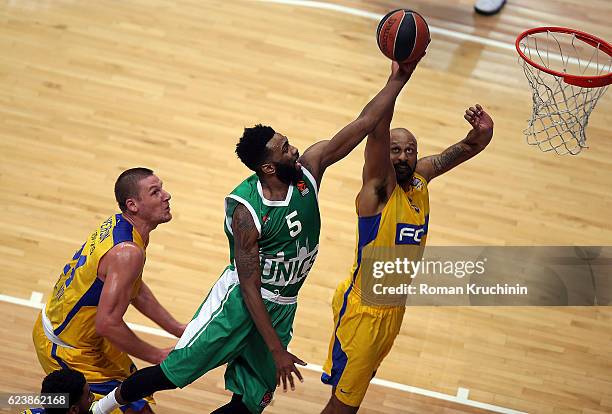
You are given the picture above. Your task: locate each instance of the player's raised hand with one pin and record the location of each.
(480, 121)
(405, 68)
(285, 367)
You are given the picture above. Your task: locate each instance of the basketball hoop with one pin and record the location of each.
(568, 71)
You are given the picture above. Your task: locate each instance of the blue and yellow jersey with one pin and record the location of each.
(33, 411)
(364, 327)
(71, 309)
(403, 221)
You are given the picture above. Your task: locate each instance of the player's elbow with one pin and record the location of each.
(102, 328)
(105, 326)
(365, 124)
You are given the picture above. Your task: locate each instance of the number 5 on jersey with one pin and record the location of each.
(295, 227)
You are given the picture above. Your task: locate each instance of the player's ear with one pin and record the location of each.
(130, 203)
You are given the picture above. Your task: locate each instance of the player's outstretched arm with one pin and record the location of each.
(122, 265)
(148, 305)
(325, 153)
(476, 140)
(246, 250)
(378, 173)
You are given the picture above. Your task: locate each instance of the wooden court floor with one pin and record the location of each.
(92, 88)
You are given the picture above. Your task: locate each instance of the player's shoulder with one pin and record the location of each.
(313, 153)
(127, 249)
(125, 253)
(113, 230)
(311, 160)
(246, 188)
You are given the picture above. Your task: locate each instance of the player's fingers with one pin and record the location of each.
(297, 360)
(473, 109)
(479, 107)
(298, 374)
(284, 378)
(291, 381)
(473, 121)
(394, 66)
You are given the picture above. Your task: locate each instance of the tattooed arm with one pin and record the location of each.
(475, 141)
(246, 250)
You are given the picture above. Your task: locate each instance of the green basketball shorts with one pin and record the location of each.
(222, 332)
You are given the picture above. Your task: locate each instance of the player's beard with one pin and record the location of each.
(289, 173)
(403, 174)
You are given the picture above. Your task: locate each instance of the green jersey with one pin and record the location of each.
(288, 232)
(222, 330)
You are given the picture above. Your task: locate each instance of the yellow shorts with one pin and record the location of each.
(104, 366)
(362, 337)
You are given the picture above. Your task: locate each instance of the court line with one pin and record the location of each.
(462, 396)
(375, 16)
(432, 29)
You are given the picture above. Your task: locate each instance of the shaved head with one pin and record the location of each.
(402, 135)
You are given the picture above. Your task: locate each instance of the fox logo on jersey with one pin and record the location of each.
(409, 233)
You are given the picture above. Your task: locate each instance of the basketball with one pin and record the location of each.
(402, 35)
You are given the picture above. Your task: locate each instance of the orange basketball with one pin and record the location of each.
(402, 35)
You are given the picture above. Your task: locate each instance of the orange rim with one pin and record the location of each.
(577, 80)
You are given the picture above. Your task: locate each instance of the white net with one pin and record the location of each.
(561, 111)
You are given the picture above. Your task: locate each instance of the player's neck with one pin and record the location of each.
(406, 185)
(274, 189)
(142, 227)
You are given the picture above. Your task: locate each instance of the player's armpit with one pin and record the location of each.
(376, 187)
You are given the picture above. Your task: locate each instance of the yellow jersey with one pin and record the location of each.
(70, 312)
(404, 221)
(365, 328)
